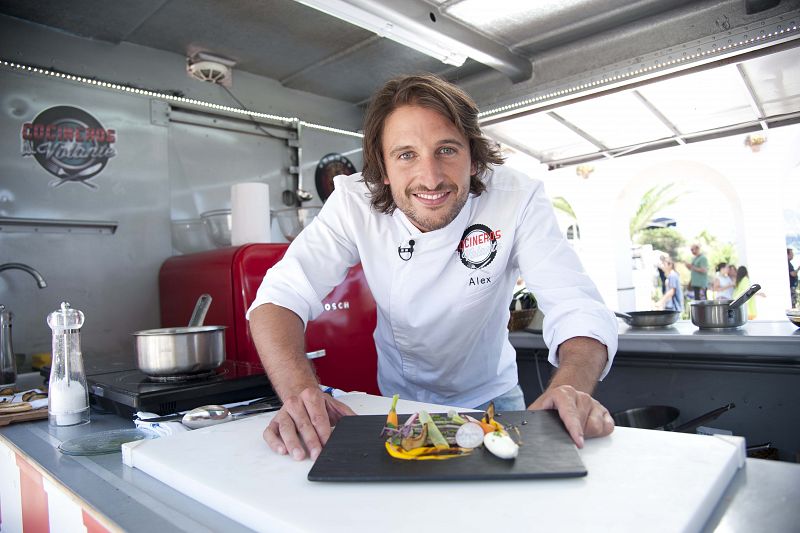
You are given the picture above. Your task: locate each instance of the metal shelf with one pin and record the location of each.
(49, 225)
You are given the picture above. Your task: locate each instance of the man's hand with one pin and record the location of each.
(583, 416)
(581, 361)
(303, 424)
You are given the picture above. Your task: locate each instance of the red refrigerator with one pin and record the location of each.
(232, 277)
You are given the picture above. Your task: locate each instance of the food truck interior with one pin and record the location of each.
(200, 95)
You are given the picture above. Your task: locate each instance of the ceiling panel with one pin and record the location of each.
(536, 25)
(702, 101)
(567, 41)
(615, 120)
(710, 102)
(777, 81)
(347, 79)
(263, 36)
(111, 21)
(541, 136)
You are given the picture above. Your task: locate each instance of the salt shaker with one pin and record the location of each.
(68, 393)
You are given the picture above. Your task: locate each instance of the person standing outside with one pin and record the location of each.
(672, 300)
(698, 284)
(723, 285)
(443, 230)
(792, 278)
(742, 284)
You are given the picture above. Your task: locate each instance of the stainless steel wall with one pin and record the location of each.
(110, 277)
(165, 169)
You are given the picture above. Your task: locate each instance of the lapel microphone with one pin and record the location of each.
(406, 253)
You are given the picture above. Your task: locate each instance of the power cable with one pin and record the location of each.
(252, 118)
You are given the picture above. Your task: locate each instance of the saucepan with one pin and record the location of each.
(663, 417)
(182, 351)
(722, 314)
(649, 319)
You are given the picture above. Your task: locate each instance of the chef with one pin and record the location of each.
(443, 230)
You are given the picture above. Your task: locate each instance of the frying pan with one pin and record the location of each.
(649, 319)
(329, 166)
(663, 417)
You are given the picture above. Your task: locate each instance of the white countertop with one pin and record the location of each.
(632, 475)
(761, 497)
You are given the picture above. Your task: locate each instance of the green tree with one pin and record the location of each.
(667, 240)
(652, 202)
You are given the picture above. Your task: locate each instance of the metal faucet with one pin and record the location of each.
(30, 270)
(8, 363)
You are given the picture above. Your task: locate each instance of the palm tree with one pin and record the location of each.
(561, 203)
(653, 201)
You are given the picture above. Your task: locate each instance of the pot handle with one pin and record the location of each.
(624, 316)
(200, 310)
(754, 288)
(711, 415)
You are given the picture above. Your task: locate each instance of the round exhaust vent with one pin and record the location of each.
(213, 69)
(210, 71)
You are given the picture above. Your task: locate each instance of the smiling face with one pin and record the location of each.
(428, 166)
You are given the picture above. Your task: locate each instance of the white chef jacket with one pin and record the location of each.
(443, 308)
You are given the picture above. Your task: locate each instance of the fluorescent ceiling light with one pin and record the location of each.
(362, 17)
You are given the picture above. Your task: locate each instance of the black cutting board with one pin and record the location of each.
(356, 452)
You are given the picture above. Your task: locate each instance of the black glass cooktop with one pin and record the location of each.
(125, 392)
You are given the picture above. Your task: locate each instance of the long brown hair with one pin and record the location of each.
(433, 93)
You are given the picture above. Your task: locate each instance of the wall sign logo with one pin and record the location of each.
(478, 246)
(69, 143)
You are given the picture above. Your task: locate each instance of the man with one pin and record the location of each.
(699, 269)
(792, 278)
(442, 232)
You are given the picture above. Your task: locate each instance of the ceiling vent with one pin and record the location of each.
(213, 69)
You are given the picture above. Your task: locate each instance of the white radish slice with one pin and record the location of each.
(469, 435)
(501, 445)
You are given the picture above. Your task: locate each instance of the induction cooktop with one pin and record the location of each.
(124, 392)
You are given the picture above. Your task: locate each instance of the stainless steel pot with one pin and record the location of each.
(178, 351)
(181, 351)
(649, 319)
(722, 314)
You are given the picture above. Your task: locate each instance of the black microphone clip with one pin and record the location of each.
(406, 253)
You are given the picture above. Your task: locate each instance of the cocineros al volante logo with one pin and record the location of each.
(478, 246)
(69, 143)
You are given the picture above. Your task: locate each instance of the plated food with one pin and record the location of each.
(445, 436)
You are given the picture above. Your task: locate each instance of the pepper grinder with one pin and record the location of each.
(8, 361)
(68, 393)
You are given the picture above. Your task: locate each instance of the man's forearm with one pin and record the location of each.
(279, 337)
(580, 362)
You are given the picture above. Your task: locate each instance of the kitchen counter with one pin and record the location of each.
(759, 498)
(762, 341)
(755, 367)
(129, 498)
